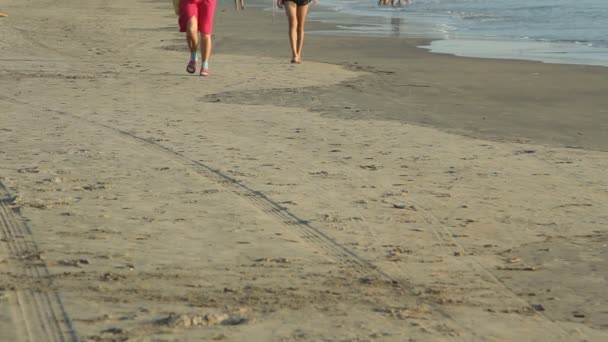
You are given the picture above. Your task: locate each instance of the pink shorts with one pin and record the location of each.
(203, 10)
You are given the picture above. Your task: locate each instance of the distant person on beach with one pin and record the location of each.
(398, 3)
(197, 16)
(239, 4)
(296, 11)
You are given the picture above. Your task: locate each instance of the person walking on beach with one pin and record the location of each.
(397, 3)
(296, 11)
(197, 16)
(239, 4)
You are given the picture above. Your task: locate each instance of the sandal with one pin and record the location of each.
(204, 72)
(191, 68)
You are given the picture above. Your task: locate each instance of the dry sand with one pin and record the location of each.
(141, 203)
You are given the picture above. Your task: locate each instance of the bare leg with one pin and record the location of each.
(301, 13)
(192, 38)
(291, 10)
(206, 47)
(192, 34)
(242, 4)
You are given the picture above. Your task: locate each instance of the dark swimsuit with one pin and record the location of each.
(300, 2)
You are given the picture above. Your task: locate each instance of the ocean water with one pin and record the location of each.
(554, 31)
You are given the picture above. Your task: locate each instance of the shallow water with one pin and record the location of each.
(554, 31)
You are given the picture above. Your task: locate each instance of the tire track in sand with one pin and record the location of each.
(303, 228)
(40, 314)
(288, 219)
(306, 231)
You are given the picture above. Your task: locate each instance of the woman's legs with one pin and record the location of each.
(192, 34)
(206, 14)
(301, 13)
(206, 47)
(296, 16)
(192, 38)
(291, 10)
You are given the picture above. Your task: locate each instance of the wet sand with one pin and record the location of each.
(502, 100)
(353, 197)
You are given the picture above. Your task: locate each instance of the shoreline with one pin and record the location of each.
(546, 51)
(496, 99)
(537, 51)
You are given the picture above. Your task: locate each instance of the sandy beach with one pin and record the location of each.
(376, 192)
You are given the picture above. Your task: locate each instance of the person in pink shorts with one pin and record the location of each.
(197, 16)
